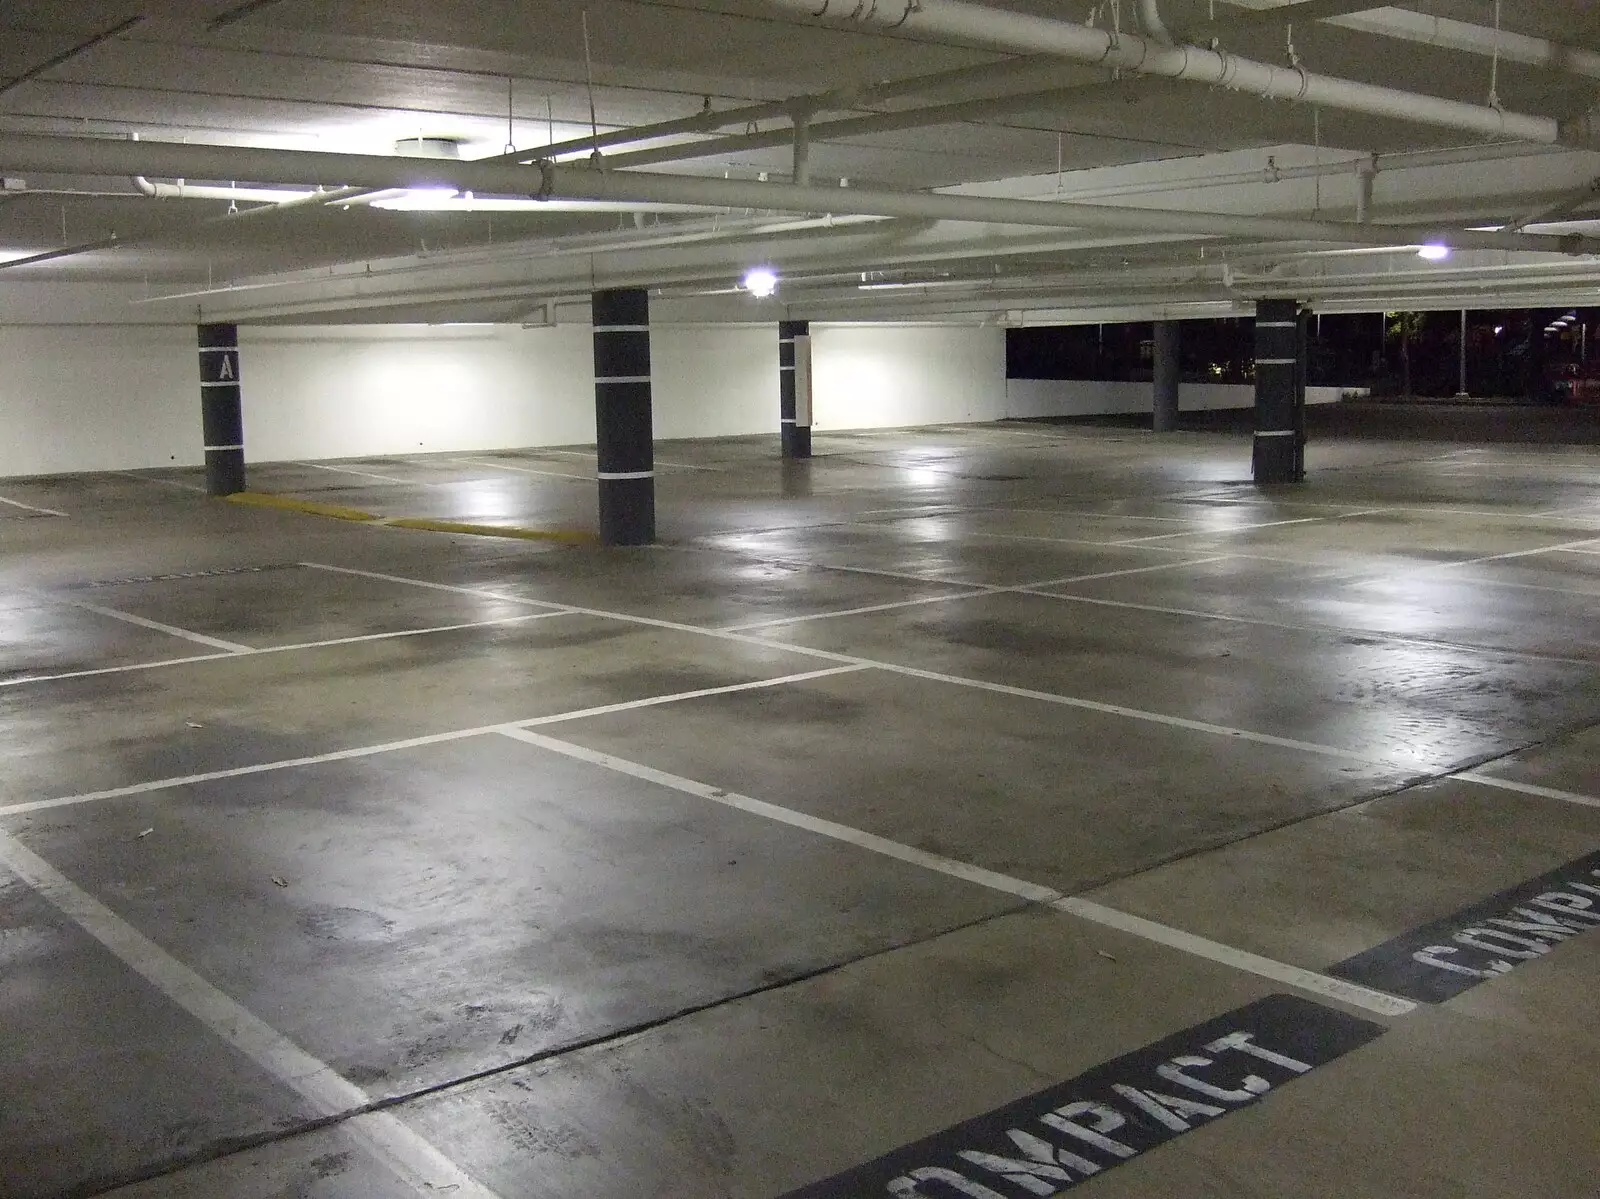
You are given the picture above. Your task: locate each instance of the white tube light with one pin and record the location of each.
(1433, 252)
(444, 200)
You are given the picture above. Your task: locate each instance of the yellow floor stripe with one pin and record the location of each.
(570, 536)
(260, 499)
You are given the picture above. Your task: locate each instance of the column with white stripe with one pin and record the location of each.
(221, 408)
(1278, 455)
(623, 431)
(794, 388)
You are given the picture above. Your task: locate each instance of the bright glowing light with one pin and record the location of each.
(1499, 329)
(1433, 253)
(418, 199)
(760, 282)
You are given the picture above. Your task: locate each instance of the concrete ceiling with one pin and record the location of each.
(357, 75)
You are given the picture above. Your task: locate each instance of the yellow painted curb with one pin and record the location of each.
(260, 499)
(569, 536)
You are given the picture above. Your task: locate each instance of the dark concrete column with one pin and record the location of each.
(794, 387)
(623, 433)
(1168, 377)
(221, 411)
(1279, 453)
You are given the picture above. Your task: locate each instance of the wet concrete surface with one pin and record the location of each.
(727, 936)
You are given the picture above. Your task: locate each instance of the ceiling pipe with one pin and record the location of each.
(836, 99)
(1150, 21)
(1404, 25)
(1373, 163)
(881, 122)
(1005, 30)
(1580, 198)
(191, 191)
(98, 156)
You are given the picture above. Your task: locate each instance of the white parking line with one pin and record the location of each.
(411, 1157)
(1069, 701)
(658, 461)
(280, 649)
(367, 751)
(1132, 570)
(1240, 959)
(525, 470)
(31, 507)
(778, 621)
(973, 592)
(1292, 626)
(128, 474)
(1543, 549)
(1281, 972)
(345, 470)
(233, 647)
(1489, 780)
(1269, 524)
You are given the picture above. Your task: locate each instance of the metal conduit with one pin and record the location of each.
(1004, 30)
(97, 156)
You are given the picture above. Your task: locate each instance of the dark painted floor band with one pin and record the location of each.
(1520, 924)
(1055, 1139)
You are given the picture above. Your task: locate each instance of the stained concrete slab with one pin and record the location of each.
(296, 604)
(700, 587)
(1422, 705)
(429, 914)
(1568, 763)
(71, 736)
(1326, 889)
(1055, 795)
(918, 1039)
(323, 1163)
(1479, 606)
(923, 548)
(641, 908)
(41, 637)
(102, 1077)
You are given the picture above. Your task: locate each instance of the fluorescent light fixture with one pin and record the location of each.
(418, 199)
(1433, 252)
(761, 282)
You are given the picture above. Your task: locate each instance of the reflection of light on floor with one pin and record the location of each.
(488, 499)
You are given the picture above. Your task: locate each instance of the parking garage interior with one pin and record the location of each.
(775, 599)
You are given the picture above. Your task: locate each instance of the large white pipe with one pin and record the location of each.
(184, 190)
(549, 181)
(1021, 32)
(1405, 25)
(1150, 19)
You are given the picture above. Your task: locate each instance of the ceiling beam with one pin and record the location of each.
(70, 53)
(100, 156)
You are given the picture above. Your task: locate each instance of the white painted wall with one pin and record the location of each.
(881, 376)
(97, 397)
(351, 391)
(1074, 397)
(713, 381)
(102, 397)
(345, 392)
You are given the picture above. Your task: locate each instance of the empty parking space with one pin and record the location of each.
(891, 804)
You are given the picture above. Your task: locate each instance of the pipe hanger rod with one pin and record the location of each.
(560, 181)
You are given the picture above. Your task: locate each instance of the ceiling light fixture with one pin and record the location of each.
(1433, 252)
(761, 282)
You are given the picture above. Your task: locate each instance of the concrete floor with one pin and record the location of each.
(837, 846)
